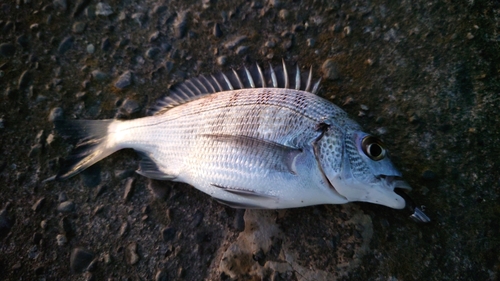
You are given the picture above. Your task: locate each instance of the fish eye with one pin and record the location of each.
(373, 148)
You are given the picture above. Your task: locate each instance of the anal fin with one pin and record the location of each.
(149, 169)
(261, 198)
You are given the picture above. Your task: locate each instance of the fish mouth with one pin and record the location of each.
(399, 185)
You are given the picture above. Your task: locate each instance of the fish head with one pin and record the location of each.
(358, 167)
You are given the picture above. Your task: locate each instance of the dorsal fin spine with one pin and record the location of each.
(297, 78)
(263, 81)
(285, 73)
(218, 84)
(238, 79)
(316, 87)
(227, 81)
(273, 77)
(249, 77)
(309, 79)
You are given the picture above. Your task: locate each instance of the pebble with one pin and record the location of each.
(180, 25)
(56, 113)
(311, 42)
(124, 80)
(239, 221)
(131, 254)
(140, 18)
(129, 189)
(91, 177)
(61, 240)
(330, 69)
(221, 60)
(24, 80)
(168, 233)
(98, 75)
(2, 125)
(65, 226)
(217, 31)
(62, 197)
(37, 237)
(38, 204)
(66, 206)
(105, 44)
(6, 222)
(80, 6)
(103, 9)
(235, 41)
(158, 189)
(61, 4)
(159, 9)
(428, 175)
(129, 107)
(161, 275)
(123, 229)
(154, 36)
(65, 45)
(7, 49)
(79, 27)
(80, 259)
(151, 53)
(241, 50)
(284, 14)
(197, 219)
(90, 48)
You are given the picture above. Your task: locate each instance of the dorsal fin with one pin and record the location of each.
(280, 76)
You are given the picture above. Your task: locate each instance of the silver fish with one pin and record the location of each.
(250, 139)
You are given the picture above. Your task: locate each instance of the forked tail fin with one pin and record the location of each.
(91, 138)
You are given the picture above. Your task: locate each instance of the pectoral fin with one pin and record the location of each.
(267, 154)
(149, 169)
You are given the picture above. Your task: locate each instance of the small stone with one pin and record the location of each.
(24, 80)
(347, 31)
(124, 80)
(79, 27)
(38, 204)
(62, 197)
(2, 124)
(131, 254)
(103, 9)
(159, 9)
(61, 4)
(217, 32)
(158, 189)
(241, 50)
(470, 36)
(7, 49)
(123, 229)
(140, 18)
(284, 14)
(61, 240)
(161, 275)
(330, 70)
(151, 53)
(65, 45)
(129, 189)
(105, 44)
(168, 233)
(91, 177)
(98, 75)
(90, 48)
(80, 6)
(221, 60)
(66, 206)
(311, 42)
(235, 41)
(239, 221)
(37, 237)
(129, 107)
(153, 37)
(80, 259)
(56, 113)
(6, 222)
(65, 226)
(180, 25)
(428, 175)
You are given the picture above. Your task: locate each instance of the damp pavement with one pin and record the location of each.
(423, 75)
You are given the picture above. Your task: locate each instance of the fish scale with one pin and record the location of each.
(249, 145)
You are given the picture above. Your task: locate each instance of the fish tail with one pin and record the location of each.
(91, 144)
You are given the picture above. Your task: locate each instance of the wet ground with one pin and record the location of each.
(423, 75)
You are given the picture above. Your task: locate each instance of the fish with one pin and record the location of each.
(249, 138)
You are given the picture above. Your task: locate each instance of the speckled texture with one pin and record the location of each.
(422, 74)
